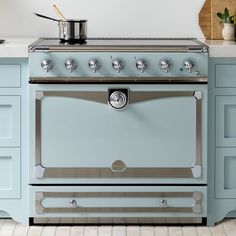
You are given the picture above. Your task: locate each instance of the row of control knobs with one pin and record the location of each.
(118, 65)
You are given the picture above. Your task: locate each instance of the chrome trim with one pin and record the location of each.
(39, 171)
(108, 173)
(134, 97)
(117, 220)
(130, 48)
(99, 80)
(200, 48)
(73, 206)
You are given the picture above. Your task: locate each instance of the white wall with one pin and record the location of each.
(106, 18)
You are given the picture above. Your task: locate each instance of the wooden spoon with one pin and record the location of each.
(59, 13)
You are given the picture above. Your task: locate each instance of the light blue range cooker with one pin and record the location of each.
(118, 131)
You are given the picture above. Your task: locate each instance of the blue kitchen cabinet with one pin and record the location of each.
(221, 139)
(13, 139)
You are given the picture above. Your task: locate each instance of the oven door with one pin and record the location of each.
(117, 134)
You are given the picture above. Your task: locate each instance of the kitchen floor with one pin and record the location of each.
(10, 228)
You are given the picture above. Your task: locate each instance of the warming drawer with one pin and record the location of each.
(120, 204)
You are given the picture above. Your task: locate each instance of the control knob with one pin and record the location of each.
(94, 65)
(118, 65)
(189, 66)
(141, 65)
(46, 64)
(70, 65)
(165, 65)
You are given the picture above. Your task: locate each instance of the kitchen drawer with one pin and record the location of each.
(225, 121)
(9, 173)
(225, 76)
(10, 76)
(225, 174)
(118, 201)
(9, 121)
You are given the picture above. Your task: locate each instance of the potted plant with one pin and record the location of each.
(227, 20)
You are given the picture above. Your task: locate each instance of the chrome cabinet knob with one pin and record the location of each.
(165, 65)
(94, 65)
(70, 65)
(118, 65)
(141, 65)
(46, 64)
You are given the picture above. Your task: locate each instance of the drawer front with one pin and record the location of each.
(225, 76)
(9, 173)
(10, 76)
(9, 121)
(225, 121)
(118, 201)
(225, 174)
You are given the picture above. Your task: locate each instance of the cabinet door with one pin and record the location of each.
(9, 173)
(9, 121)
(226, 121)
(225, 174)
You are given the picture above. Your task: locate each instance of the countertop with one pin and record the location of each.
(221, 48)
(15, 47)
(18, 48)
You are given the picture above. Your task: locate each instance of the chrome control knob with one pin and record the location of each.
(141, 65)
(189, 65)
(70, 65)
(46, 64)
(118, 65)
(94, 65)
(165, 65)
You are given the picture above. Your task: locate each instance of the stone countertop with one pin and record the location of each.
(18, 48)
(15, 47)
(221, 48)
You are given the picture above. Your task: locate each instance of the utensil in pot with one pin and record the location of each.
(73, 30)
(59, 13)
(46, 17)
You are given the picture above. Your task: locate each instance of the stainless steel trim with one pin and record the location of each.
(108, 173)
(118, 80)
(117, 220)
(151, 49)
(200, 48)
(101, 97)
(163, 207)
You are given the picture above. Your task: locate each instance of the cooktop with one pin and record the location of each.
(163, 44)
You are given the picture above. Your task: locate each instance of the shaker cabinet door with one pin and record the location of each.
(225, 174)
(225, 121)
(9, 173)
(9, 121)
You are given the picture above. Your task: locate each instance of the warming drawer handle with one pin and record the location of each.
(73, 203)
(163, 203)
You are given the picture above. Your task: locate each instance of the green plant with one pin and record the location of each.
(225, 17)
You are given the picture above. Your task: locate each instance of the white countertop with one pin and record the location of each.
(221, 48)
(18, 48)
(15, 47)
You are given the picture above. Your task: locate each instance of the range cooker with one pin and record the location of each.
(118, 131)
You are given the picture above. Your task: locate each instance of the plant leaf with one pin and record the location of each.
(226, 12)
(220, 15)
